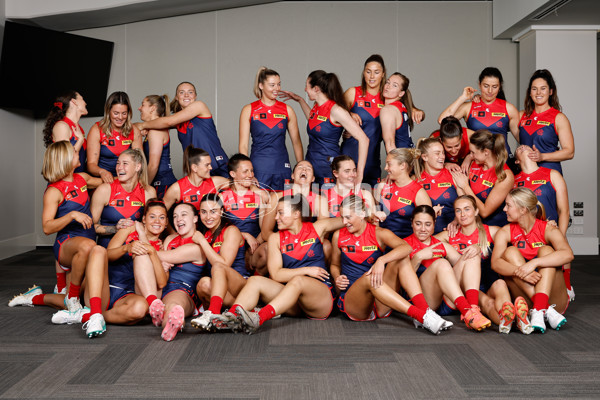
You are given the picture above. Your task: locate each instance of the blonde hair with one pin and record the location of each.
(484, 245)
(484, 139)
(405, 155)
(525, 198)
(58, 161)
(138, 157)
(261, 77)
(116, 98)
(160, 102)
(423, 146)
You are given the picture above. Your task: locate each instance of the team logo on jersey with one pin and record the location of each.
(462, 246)
(474, 178)
(380, 105)
(535, 245)
(404, 201)
(289, 247)
(280, 125)
(318, 128)
(348, 249)
(539, 182)
(521, 244)
(540, 132)
(73, 194)
(118, 203)
(538, 192)
(217, 244)
(487, 183)
(256, 117)
(84, 188)
(388, 196)
(427, 186)
(521, 184)
(545, 123)
(282, 116)
(251, 205)
(111, 142)
(369, 248)
(307, 241)
(444, 184)
(137, 204)
(322, 118)
(311, 253)
(481, 114)
(527, 123)
(126, 142)
(499, 124)
(497, 114)
(312, 115)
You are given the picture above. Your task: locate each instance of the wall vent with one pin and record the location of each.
(553, 8)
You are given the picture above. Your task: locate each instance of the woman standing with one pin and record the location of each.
(396, 121)
(195, 126)
(326, 121)
(108, 138)
(266, 120)
(543, 126)
(157, 145)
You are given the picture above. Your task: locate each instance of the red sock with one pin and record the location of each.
(567, 275)
(38, 300)
(540, 301)
(95, 305)
(74, 290)
(416, 313)
(234, 307)
(61, 281)
(462, 304)
(150, 299)
(472, 296)
(266, 313)
(85, 317)
(419, 301)
(216, 302)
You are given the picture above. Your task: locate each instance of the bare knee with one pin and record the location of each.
(203, 287)
(97, 251)
(138, 309)
(544, 251)
(499, 286)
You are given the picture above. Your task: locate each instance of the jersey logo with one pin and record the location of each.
(282, 116)
(427, 186)
(527, 123)
(480, 114)
(388, 196)
(137, 204)
(545, 123)
(404, 201)
(289, 247)
(521, 244)
(520, 184)
(369, 248)
(474, 178)
(251, 205)
(111, 142)
(497, 114)
(535, 245)
(84, 188)
(348, 249)
(217, 244)
(307, 241)
(539, 182)
(126, 142)
(488, 183)
(380, 105)
(322, 118)
(444, 184)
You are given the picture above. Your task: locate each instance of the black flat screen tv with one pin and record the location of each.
(38, 64)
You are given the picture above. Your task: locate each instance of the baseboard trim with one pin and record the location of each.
(584, 246)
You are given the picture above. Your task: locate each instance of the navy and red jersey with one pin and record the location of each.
(111, 148)
(75, 198)
(73, 139)
(239, 263)
(464, 147)
(120, 272)
(323, 140)
(441, 190)
(367, 106)
(493, 117)
(164, 175)
(460, 241)
(202, 134)
(528, 243)
(359, 253)
(540, 130)
(417, 246)
(398, 203)
(243, 210)
(482, 182)
(334, 200)
(188, 273)
(122, 205)
(540, 182)
(310, 199)
(402, 137)
(303, 249)
(188, 193)
(268, 125)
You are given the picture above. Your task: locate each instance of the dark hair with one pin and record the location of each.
(423, 145)
(335, 163)
(225, 222)
(553, 100)
(175, 106)
(450, 128)
(330, 85)
(261, 77)
(172, 211)
(407, 98)
(363, 82)
(484, 139)
(298, 203)
(192, 156)
(57, 113)
(235, 160)
(160, 102)
(493, 72)
(154, 202)
(116, 98)
(423, 209)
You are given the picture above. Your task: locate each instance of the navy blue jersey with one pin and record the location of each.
(111, 147)
(268, 125)
(398, 203)
(402, 137)
(540, 183)
(73, 139)
(239, 262)
(482, 182)
(323, 140)
(359, 253)
(202, 133)
(164, 176)
(442, 192)
(367, 106)
(122, 205)
(493, 117)
(243, 210)
(540, 130)
(187, 274)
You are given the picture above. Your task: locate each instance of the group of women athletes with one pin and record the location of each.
(450, 229)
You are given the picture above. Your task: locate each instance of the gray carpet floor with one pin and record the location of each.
(293, 358)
